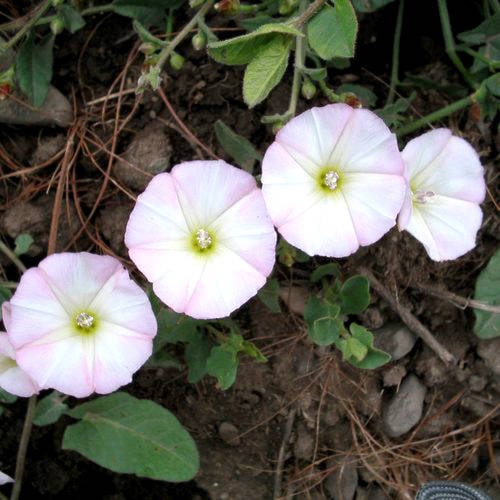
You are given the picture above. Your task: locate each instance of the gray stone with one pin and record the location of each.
(394, 375)
(229, 433)
(341, 484)
(405, 408)
(489, 350)
(395, 339)
(147, 155)
(295, 297)
(47, 148)
(477, 383)
(304, 445)
(112, 222)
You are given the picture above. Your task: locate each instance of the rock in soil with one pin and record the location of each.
(55, 111)
(395, 339)
(488, 350)
(295, 297)
(341, 484)
(304, 445)
(112, 222)
(33, 217)
(47, 147)
(147, 155)
(393, 375)
(405, 408)
(229, 433)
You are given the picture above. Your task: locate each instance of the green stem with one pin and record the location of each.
(395, 54)
(329, 93)
(436, 115)
(8, 284)
(12, 256)
(308, 13)
(297, 75)
(167, 51)
(495, 5)
(26, 27)
(450, 43)
(492, 65)
(23, 447)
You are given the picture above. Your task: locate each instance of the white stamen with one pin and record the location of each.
(203, 238)
(84, 320)
(330, 180)
(423, 196)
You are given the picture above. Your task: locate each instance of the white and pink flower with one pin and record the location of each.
(201, 234)
(333, 180)
(445, 187)
(4, 479)
(12, 378)
(79, 324)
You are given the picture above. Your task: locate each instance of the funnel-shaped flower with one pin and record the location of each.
(79, 324)
(12, 378)
(333, 180)
(445, 186)
(202, 236)
(4, 479)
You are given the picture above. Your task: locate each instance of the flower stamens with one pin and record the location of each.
(203, 239)
(84, 320)
(423, 196)
(330, 180)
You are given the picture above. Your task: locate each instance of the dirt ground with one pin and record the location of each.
(305, 424)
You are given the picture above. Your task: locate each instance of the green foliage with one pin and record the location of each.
(133, 436)
(332, 31)
(49, 409)
(236, 146)
(364, 94)
(147, 12)
(355, 295)
(266, 70)
(23, 243)
(369, 5)
(393, 114)
(73, 20)
(488, 97)
(323, 323)
(487, 325)
(330, 269)
(289, 255)
(34, 68)
(269, 295)
(7, 397)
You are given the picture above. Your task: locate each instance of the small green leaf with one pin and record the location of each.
(250, 349)
(236, 146)
(223, 365)
(147, 12)
(269, 295)
(49, 409)
(330, 269)
(133, 436)
(266, 70)
(243, 49)
(395, 113)
(369, 5)
(487, 325)
(332, 31)
(73, 20)
(23, 243)
(373, 358)
(197, 353)
(316, 74)
(7, 397)
(355, 295)
(145, 36)
(34, 68)
(323, 322)
(163, 359)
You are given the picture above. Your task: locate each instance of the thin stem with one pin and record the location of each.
(495, 5)
(26, 27)
(9, 284)
(167, 50)
(23, 447)
(492, 65)
(329, 93)
(308, 13)
(300, 55)
(435, 116)
(395, 53)
(450, 43)
(12, 256)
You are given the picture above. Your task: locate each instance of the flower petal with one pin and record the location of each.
(446, 227)
(4, 479)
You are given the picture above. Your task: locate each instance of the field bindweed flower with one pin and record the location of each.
(12, 378)
(79, 324)
(333, 180)
(445, 187)
(201, 234)
(4, 479)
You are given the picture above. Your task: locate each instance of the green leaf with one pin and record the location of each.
(269, 295)
(355, 295)
(323, 322)
(223, 365)
(394, 113)
(133, 436)
(369, 5)
(23, 243)
(266, 70)
(373, 358)
(367, 97)
(316, 74)
(332, 31)
(487, 325)
(34, 68)
(49, 409)
(197, 353)
(330, 269)
(73, 20)
(236, 146)
(147, 12)
(145, 36)
(163, 359)
(243, 49)
(7, 397)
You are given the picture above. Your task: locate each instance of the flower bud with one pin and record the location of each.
(199, 40)
(57, 25)
(308, 89)
(176, 61)
(227, 6)
(352, 100)
(5, 90)
(147, 48)
(196, 3)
